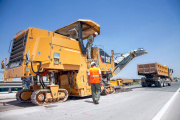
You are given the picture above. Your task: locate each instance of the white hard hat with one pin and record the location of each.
(92, 63)
(96, 33)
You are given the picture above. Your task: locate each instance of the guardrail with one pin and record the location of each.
(14, 84)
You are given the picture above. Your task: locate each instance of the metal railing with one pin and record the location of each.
(9, 85)
(15, 84)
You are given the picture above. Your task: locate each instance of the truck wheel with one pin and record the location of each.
(149, 84)
(164, 84)
(156, 84)
(160, 84)
(144, 84)
(169, 84)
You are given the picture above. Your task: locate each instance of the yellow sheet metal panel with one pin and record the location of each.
(69, 56)
(105, 66)
(60, 66)
(13, 72)
(81, 79)
(65, 42)
(66, 60)
(41, 51)
(36, 32)
(66, 55)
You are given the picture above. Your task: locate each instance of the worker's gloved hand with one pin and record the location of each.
(89, 83)
(101, 84)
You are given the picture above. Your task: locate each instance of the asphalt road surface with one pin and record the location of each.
(139, 104)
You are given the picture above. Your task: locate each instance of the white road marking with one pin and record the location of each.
(165, 107)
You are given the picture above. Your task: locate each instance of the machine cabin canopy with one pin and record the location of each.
(72, 30)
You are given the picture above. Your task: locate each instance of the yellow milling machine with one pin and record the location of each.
(62, 57)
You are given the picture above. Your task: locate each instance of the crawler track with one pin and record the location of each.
(38, 97)
(19, 95)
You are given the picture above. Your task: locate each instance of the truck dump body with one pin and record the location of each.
(153, 68)
(156, 74)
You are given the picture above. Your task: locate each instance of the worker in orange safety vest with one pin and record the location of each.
(95, 80)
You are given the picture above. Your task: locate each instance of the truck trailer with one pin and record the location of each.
(155, 73)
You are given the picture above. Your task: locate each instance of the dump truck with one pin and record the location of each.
(62, 57)
(121, 82)
(155, 73)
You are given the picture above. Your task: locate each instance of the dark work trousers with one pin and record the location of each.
(96, 91)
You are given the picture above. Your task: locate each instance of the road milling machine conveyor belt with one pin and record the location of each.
(62, 58)
(119, 63)
(124, 59)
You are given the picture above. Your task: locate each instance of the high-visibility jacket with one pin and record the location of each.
(94, 75)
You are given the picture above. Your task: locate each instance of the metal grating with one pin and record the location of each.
(17, 50)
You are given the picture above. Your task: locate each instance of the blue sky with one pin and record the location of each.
(125, 25)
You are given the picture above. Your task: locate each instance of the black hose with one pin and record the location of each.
(38, 68)
(41, 82)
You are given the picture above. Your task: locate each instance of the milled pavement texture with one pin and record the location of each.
(138, 104)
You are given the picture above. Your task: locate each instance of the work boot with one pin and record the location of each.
(96, 102)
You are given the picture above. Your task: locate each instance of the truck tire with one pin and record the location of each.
(160, 84)
(144, 84)
(156, 84)
(164, 84)
(149, 84)
(169, 84)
